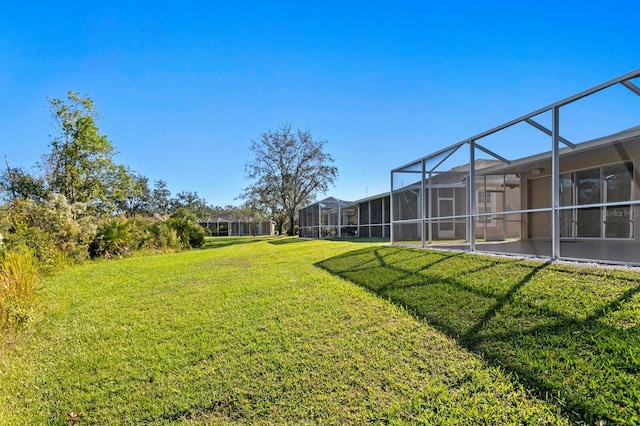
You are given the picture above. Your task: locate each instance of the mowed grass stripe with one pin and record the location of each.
(247, 331)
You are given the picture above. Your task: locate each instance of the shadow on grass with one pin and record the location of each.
(219, 242)
(285, 240)
(569, 335)
(359, 239)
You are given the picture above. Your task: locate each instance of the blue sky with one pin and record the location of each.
(183, 87)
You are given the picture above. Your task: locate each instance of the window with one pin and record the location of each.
(567, 221)
(483, 197)
(608, 184)
(588, 192)
(617, 185)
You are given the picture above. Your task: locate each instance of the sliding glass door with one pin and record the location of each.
(618, 187)
(590, 187)
(588, 219)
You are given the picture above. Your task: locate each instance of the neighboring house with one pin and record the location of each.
(330, 217)
(588, 211)
(224, 225)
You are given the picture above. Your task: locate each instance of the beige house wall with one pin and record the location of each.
(538, 195)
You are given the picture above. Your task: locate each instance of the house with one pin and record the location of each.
(572, 200)
(225, 225)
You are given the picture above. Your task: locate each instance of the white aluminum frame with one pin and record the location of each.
(472, 143)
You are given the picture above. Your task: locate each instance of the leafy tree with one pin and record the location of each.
(16, 183)
(80, 165)
(54, 216)
(134, 196)
(288, 170)
(193, 202)
(160, 198)
(218, 210)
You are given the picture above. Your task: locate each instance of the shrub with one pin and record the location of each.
(121, 236)
(189, 232)
(114, 237)
(152, 234)
(163, 236)
(55, 231)
(18, 278)
(196, 236)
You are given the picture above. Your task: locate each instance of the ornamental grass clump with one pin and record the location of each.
(18, 278)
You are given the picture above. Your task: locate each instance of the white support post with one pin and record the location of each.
(555, 183)
(391, 212)
(422, 201)
(430, 209)
(320, 221)
(472, 196)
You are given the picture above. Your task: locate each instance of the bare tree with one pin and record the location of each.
(288, 170)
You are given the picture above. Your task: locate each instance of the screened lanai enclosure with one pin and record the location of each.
(330, 217)
(226, 226)
(446, 202)
(368, 217)
(374, 216)
(560, 182)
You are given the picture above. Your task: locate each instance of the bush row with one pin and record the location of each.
(121, 236)
(59, 233)
(45, 236)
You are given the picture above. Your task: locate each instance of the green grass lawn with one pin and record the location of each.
(252, 331)
(571, 335)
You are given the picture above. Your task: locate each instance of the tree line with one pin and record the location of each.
(79, 203)
(80, 166)
(78, 179)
